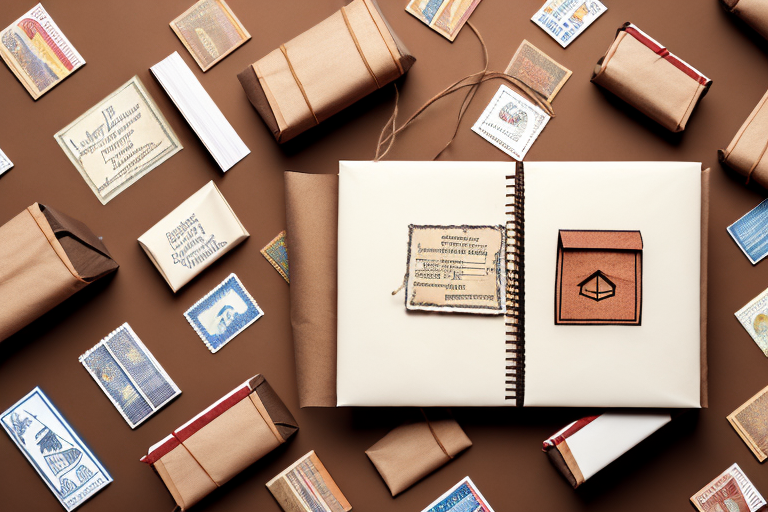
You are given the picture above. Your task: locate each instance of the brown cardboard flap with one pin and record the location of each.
(255, 92)
(281, 417)
(186, 480)
(704, 372)
(559, 462)
(613, 240)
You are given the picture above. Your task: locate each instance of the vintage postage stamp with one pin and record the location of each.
(446, 17)
(731, 491)
(751, 232)
(223, 314)
(276, 253)
(511, 123)
(464, 496)
(754, 318)
(537, 70)
(751, 423)
(37, 52)
(210, 31)
(564, 20)
(56, 452)
(130, 376)
(456, 269)
(5, 163)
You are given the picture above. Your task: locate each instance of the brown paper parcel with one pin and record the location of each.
(412, 451)
(324, 70)
(45, 257)
(745, 154)
(753, 12)
(221, 441)
(640, 71)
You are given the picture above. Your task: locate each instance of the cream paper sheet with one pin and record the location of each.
(388, 356)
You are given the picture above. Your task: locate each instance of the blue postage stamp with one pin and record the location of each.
(129, 375)
(751, 232)
(60, 457)
(223, 314)
(462, 497)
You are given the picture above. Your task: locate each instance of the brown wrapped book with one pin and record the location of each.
(414, 450)
(753, 12)
(746, 151)
(324, 70)
(45, 256)
(220, 442)
(640, 71)
(307, 486)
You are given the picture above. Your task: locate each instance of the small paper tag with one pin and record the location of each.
(458, 269)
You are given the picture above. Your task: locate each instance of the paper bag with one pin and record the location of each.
(324, 70)
(745, 154)
(753, 12)
(221, 441)
(45, 256)
(640, 71)
(414, 450)
(188, 240)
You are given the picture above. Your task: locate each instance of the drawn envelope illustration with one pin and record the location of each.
(599, 278)
(217, 444)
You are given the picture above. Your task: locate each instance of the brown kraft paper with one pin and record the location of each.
(753, 12)
(311, 202)
(641, 72)
(745, 154)
(412, 451)
(45, 257)
(324, 70)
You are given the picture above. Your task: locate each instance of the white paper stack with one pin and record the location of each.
(5, 164)
(200, 111)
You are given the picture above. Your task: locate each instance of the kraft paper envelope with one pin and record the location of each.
(753, 12)
(746, 152)
(45, 256)
(188, 240)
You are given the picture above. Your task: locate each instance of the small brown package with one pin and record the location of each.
(45, 257)
(640, 71)
(324, 70)
(311, 212)
(414, 450)
(221, 441)
(753, 12)
(746, 151)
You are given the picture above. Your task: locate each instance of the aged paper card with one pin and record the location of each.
(751, 423)
(754, 318)
(119, 140)
(565, 20)
(446, 17)
(37, 52)
(537, 70)
(456, 269)
(731, 491)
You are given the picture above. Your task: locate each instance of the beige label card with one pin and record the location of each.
(457, 269)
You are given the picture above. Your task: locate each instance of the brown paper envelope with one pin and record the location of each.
(185, 479)
(746, 152)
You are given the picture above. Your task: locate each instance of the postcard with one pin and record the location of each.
(119, 140)
(751, 232)
(37, 52)
(731, 491)
(754, 318)
(511, 123)
(276, 253)
(463, 496)
(307, 486)
(751, 423)
(223, 313)
(446, 17)
(60, 457)
(210, 31)
(564, 20)
(5, 163)
(537, 70)
(130, 376)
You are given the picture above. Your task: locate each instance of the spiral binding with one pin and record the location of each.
(515, 316)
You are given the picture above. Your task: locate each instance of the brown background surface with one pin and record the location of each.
(121, 38)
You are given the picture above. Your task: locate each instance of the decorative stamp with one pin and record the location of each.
(464, 496)
(276, 253)
(751, 232)
(730, 491)
(754, 318)
(751, 423)
(446, 17)
(537, 70)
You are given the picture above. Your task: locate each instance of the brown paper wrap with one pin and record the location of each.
(746, 152)
(328, 497)
(324, 70)
(412, 451)
(753, 12)
(45, 257)
(311, 202)
(220, 442)
(644, 74)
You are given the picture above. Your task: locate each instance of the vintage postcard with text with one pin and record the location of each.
(750, 232)
(276, 253)
(731, 491)
(537, 70)
(564, 20)
(119, 140)
(754, 318)
(751, 423)
(446, 17)
(462, 497)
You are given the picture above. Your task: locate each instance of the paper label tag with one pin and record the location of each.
(457, 269)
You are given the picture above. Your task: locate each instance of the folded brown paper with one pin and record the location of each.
(311, 204)
(753, 12)
(221, 441)
(45, 256)
(412, 451)
(639, 70)
(746, 151)
(324, 70)
(307, 486)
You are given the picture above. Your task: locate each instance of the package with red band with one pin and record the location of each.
(220, 442)
(642, 72)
